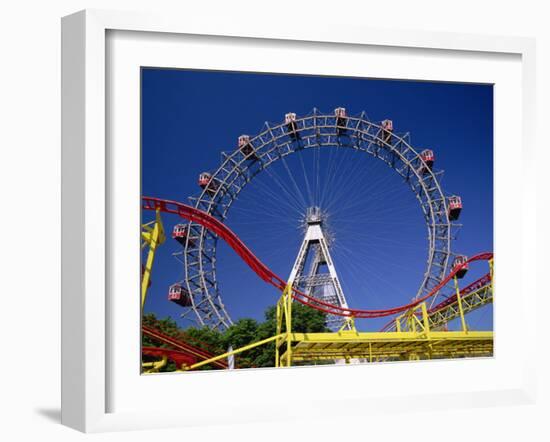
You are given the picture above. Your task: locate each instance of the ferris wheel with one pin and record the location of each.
(199, 292)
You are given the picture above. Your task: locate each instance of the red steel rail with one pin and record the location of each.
(178, 357)
(476, 285)
(481, 282)
(194, 352)
(215, 226)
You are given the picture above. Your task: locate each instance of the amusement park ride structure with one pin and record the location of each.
(417, 332)
(414, 334)
(254, 155)
(315, 252)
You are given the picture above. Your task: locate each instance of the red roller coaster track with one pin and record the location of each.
(192, 353)
(178, 357)
(220, 229)
(477, 284)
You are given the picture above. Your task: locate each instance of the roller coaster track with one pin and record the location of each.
(474, 296)
(197, 354)
(178, 357)
(220, 229)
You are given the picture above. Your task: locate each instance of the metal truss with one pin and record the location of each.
(313, 281)
(420, 341)
(321, 131)
(390, 346)
(464, 301)
(440, 316)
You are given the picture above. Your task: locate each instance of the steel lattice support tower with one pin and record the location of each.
(314, 272)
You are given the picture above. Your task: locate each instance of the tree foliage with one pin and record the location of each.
(242, 332)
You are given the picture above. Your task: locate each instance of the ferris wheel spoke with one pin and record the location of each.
(350, 187)
(291, 177)
(306, 181)
(293, 199)
(334, 175)
(271, 215)
(340, 181)
(374, 273)
(363, 275)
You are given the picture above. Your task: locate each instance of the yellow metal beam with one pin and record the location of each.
(155, 366)
(392, 345)
(414, 339)
(153, 235)
(233, 352)
(463, 304)
(470, 302)
(460, 309)
(284, 314)
(348, 336)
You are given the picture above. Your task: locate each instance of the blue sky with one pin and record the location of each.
(190, 117)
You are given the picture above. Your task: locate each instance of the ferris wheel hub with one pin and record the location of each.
(314, 215)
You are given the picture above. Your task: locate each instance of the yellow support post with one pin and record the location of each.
(411, 321)
(152, 236)
(460, 309)
(425, 319)
(348, 325)
(288, 302)
(398, 324)
(278, 332)
(284, 313)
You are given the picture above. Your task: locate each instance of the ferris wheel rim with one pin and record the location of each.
(199, 262)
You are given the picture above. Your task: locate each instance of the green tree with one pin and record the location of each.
(247, 331)
(167, 326)
(205, 338)
(241, 333)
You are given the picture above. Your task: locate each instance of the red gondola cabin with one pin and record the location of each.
(428, 159)
(455, 207)
(179, 233)
(207, 182)
(291, 125)
(179, 295)
(341, 120)
(246, 148)
(459, 260)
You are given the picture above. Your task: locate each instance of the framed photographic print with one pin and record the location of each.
(277, 210)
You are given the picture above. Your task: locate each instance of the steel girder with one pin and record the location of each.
(470, 302)
(388, 346)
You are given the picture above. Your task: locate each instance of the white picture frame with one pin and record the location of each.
(85, 213)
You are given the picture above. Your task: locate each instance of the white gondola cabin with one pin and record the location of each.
(179, 295)
(427, 156)
(246, 148)
(460, 261)
(291, 125)
(341, 120)
(387, 129)
(455, 207)
(207, 182)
